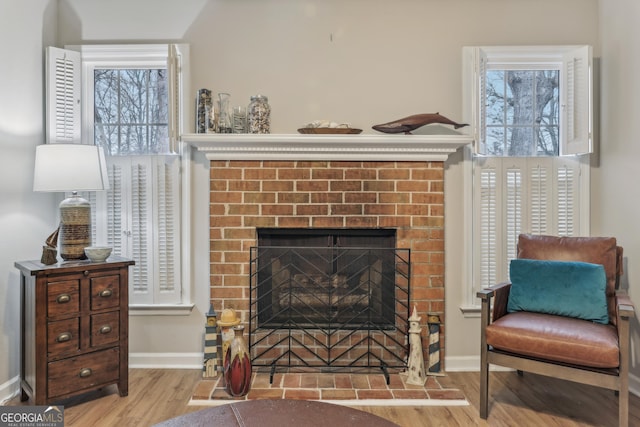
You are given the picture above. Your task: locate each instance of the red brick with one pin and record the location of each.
(277, 210)
(394, 174)
(378, 186)
(327, 174)
(294, 198)
(293, 174)
(345, 186)
(375, 394)
(259, 197)
(346, 209)
(360, 174)
(265, 393)
(342, 394)
(260, 174)
(277, 186)
(310, 186)
(293, 222)
(302, 394)
(360, 198)
(313, 210)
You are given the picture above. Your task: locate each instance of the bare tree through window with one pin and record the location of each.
(131, 111)
(522, 112)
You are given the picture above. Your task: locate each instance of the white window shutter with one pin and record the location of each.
(167, 214)
(577, 134)
(63, 82)
(487, 251)
(474, 93)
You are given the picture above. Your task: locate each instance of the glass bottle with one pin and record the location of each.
(259, 115)
(224, 117)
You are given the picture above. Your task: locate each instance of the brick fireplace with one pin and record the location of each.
(285, 181)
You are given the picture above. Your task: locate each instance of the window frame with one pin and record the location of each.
(531, 57)
(174, 58)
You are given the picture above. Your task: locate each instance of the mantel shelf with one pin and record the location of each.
(362, 147)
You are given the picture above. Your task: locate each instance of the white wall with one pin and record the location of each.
(616, 198)
(26, 218)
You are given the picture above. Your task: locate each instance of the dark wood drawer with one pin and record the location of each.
(105, 328)
(105, 292)
(63, 298)
(63, 336)
(83, 372)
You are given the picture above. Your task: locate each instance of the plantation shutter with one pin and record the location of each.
(520, 195)
(577, 134)
(144, 190)
(166, 177)
(474, 89)
(63, 95)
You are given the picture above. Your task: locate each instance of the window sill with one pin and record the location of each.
(161, 309)
(470, 311)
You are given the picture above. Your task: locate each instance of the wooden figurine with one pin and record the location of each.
(228, 319)
(415, 370)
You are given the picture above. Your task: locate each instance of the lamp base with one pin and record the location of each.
(75, 227)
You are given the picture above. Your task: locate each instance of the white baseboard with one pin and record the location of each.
(165, 360)
(472, 364)
(9, 389)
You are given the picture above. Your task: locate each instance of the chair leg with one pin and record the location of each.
(623, 408)
(484, 386)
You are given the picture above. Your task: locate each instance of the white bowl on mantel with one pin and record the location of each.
(97, 253)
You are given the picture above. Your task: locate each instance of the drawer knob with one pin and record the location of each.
(86, 372)
(106, 293)
(64, 337)
(86, 273)
(105, 329)
(63, 298)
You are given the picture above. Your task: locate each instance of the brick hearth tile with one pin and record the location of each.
(291, 380)
(374, 394)
(260, 380)
(343, 381)
(220, 394)
(204, 389)
(326, 381)
(360, 381)
(446, 394)
(432, 383)
(377, 382)
(265, 393)
(410, 394)
(277, 380)
(302, 394)
(338, 394)
(309, 381)
(395, 382)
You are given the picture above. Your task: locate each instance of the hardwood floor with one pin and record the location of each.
(156, 395)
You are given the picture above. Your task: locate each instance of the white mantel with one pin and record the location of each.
(362, 147)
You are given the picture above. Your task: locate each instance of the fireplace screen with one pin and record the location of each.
(330, 285)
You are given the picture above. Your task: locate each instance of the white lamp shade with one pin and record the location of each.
(70, 167)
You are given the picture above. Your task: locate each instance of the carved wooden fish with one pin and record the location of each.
(410, 123)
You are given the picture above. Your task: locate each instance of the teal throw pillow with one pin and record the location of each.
(572, 289)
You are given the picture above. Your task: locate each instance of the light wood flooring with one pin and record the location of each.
(156, 395)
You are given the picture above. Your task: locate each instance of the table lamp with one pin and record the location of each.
(71, 168)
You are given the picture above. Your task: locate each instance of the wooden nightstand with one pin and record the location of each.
(74, 328)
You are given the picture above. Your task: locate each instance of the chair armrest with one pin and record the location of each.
(501, 293)
(491, 290)
(625, 306)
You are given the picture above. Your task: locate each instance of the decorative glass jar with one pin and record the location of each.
(237, 365)
(259, 115)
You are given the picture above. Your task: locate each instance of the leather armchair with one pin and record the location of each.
(563, 347)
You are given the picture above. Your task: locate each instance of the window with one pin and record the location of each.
(131, 106)
(530, 110)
